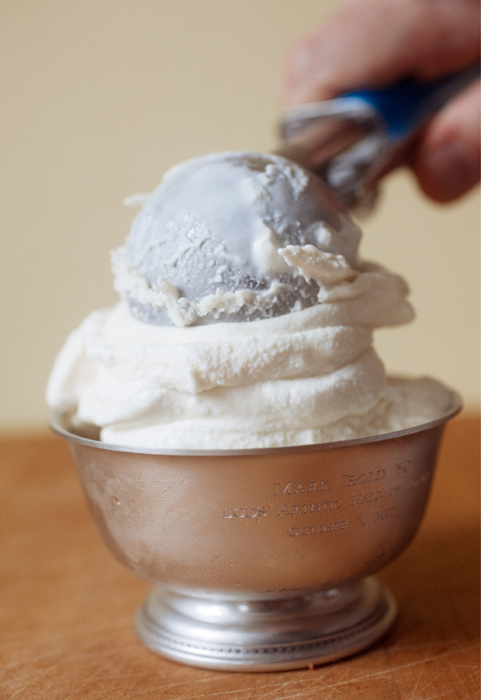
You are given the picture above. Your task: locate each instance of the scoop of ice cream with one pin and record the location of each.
(229, 238)
(220, 239)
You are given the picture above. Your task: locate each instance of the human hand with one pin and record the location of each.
(375, 43)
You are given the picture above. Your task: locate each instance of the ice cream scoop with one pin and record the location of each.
(353, 140)
(246, 320)
(221, 237)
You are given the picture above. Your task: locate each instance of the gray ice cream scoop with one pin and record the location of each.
(205, 245)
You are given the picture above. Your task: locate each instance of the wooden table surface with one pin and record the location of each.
(66, 605)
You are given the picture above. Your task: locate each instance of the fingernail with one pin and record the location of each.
(453, 169)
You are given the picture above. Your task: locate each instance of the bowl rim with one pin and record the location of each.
(61, 424)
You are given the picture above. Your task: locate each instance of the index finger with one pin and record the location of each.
(373, 43)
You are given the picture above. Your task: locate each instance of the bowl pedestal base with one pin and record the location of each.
(242, 634)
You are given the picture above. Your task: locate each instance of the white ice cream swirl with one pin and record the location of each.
(265, 383)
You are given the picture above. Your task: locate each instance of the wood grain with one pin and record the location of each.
(66, 605)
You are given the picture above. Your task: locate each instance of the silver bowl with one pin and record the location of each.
(261, 558)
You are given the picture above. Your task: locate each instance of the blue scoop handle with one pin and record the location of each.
(407, 105)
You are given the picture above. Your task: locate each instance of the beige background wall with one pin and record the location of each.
(100, 97)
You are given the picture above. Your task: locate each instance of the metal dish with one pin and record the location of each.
(260, 557)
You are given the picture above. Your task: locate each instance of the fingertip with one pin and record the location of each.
(447, 173)
(447, 162)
